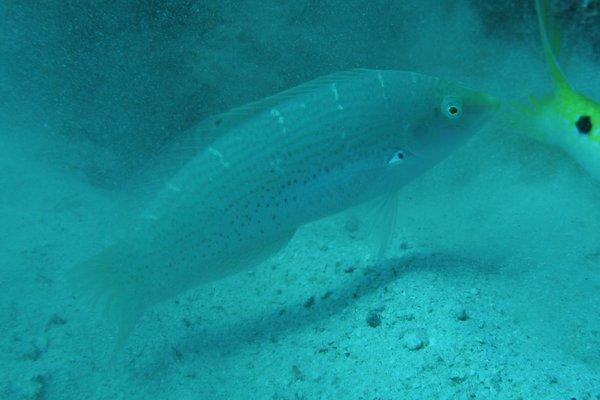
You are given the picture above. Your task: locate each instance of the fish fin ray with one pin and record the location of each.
(383, 220)
(521, 115)
(267, 249)
(551, 41)
(99, 284)
(244, 260)
(241, 114)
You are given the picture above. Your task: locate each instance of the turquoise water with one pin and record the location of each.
(490, 288)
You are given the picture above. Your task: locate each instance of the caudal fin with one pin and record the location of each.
(107, 282)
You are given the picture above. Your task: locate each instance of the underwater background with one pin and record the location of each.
(491, 288)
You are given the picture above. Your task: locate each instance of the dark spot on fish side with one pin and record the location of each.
(401, 155)
(584, 124)
(218, 121)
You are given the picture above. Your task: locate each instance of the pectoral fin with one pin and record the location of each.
(383, 220)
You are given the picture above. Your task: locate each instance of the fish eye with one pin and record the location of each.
(397, 157)
(451, 108)
(584, 124)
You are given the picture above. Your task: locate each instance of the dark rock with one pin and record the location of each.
(310, 302)
(373, 319)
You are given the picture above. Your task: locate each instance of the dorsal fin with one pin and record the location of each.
(210, 129)
(225, 121)
(550, 41)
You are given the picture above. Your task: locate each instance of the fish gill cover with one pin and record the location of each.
(491, 282)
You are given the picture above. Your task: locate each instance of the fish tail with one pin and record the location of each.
(550, 36)
(108, 281)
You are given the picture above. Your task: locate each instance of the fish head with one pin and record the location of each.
(570, 118)
(450, 114)
(583, 115)
(566, 119)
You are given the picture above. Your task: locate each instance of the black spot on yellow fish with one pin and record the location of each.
(584, 124)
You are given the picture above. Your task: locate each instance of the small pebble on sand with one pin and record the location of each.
(414, 340)
(373, 319)
(351, 225)
(461, 314)
(310, 302)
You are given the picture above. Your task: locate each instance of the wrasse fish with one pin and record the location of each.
(261, 171)
(565, 117)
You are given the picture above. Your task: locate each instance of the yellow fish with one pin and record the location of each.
(565, 117)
